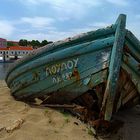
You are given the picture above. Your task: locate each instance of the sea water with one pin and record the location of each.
(3, 69)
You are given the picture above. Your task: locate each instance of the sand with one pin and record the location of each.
(36, 124)
(18, 121)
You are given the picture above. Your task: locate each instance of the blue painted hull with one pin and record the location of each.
(68, 75)
(69, 68)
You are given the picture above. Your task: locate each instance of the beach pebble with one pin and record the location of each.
(16, 125)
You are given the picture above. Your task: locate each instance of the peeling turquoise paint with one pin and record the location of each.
(114, 67)
(76, 65)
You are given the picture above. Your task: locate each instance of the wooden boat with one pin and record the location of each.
(105, 61)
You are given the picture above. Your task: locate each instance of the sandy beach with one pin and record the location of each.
(18, 121)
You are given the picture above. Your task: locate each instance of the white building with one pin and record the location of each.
(14, 52)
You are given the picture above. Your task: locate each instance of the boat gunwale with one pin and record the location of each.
(133, 39)
(104, 46)
(69, 41)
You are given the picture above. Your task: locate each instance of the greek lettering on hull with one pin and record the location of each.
(61, 67)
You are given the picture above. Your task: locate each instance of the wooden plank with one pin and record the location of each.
(135, 77)
(131, 95)
(62, 55)
(60, 45)
(134, 41)
(114, 68)
(53, 105)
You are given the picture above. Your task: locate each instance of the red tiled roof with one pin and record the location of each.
(3, 49)
(17, 48)
(20, 48)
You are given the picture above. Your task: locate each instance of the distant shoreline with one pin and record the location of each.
(9, 61)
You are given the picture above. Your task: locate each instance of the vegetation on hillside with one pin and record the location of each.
(34, 43)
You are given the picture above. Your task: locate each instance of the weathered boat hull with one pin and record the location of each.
(75, 71)
(64, 70)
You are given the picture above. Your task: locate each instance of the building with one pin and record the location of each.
(3, 43)
(14, 52)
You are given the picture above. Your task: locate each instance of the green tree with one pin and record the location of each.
(44, 42)
(35, 44)
(11, 44)
(29, 43)
(23, 42)
(49, 42)
(38, 44)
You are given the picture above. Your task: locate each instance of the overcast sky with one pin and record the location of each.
(57, 19)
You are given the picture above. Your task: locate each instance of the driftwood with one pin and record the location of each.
(53, 106)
